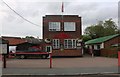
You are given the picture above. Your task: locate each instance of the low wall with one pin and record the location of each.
(109, 52)
(67, 53)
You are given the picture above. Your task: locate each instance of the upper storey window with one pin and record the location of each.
(69, 26)
(54, 26)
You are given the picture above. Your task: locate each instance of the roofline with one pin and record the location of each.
(103, 41)
(64, 15)
(113, 37)
(11, 37)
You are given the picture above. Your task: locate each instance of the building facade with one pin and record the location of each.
(62, 34)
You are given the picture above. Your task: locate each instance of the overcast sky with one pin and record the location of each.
(34, 10)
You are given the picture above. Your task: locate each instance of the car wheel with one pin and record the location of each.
(44, 56)
(22, 56)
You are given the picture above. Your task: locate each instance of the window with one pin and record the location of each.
(54, 26)
(96, 47)
(56, 43)
(69, 43)
(69, 26)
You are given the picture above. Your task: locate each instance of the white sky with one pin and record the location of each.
(91, 12)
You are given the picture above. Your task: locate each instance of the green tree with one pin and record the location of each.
(108, 27)
(86, 38)
(95, 31)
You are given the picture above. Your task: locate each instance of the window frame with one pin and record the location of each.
(52, 26)
(68, 24)
(73, 43)
(56, 43)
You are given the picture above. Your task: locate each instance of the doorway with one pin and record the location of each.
(48, 49)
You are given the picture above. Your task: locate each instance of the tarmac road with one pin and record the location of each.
(91, 75)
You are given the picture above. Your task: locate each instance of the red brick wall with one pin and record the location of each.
(112, 41)
(108, 52)
(67, 53)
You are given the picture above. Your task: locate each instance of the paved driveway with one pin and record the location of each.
(62, 66)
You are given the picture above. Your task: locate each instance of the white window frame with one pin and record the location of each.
(54, 26)
(68, 25)
(68, 46)
(56, 43)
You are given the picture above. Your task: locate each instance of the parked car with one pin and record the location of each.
(29, 54)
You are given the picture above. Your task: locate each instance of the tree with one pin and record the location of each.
(108, 27)
(95, 31)
(90, 31)
(86, 38)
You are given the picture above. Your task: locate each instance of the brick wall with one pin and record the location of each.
(112, 41)
(67, 53)
(109, 52)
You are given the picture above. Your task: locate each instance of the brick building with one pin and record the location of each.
(104, 42)
(62, 34)
(107, 45)
(13, 42)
